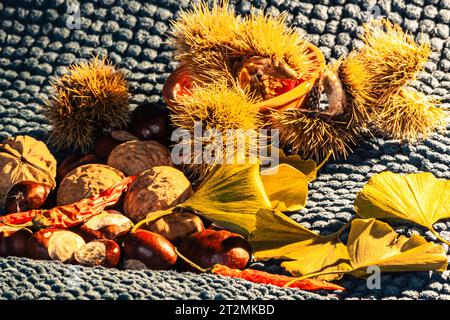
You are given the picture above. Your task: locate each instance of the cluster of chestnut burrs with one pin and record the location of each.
(281, 77)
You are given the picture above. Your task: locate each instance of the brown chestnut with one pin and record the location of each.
(13, 241)
(74, 161)
(155, 251)
(26, 195)
(178, 83)
(150, 122)
(102, 252)
(54, 244)
(209, 247)
(176, 226)
(110, 225)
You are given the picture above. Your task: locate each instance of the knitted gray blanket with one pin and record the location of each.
(36, 43)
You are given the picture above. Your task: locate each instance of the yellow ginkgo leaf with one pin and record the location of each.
(287, 184)
(230, 196)
(277, 236)
(419, 197)
(308, 167)
(375, 243)
(286, 187)
(329, 256)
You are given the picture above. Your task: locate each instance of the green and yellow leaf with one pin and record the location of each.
(279, 237)
(230, 196)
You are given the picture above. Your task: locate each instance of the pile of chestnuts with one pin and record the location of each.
(107, 239)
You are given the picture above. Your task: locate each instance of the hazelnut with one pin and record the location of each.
(134, 157)
(156, 189)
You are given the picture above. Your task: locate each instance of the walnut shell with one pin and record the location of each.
(86, 181)
(134, 157)
(25, 158)
(156, 189)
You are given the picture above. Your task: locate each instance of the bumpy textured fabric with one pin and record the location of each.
(35, 43)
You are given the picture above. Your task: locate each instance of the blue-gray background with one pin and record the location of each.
(35, 43)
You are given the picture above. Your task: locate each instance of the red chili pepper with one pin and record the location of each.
(64, 217)
(274, 279)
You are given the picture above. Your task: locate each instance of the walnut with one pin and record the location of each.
(158, 188)
(25, 158)
(134, 157)
(86, 181)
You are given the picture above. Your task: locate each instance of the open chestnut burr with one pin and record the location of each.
(293, 95)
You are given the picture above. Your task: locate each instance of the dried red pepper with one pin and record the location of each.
(274, 279)
(64, 217)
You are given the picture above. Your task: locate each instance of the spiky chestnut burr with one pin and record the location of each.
(217, 108)
(202, 35)
(411, 115)
(281, 52)
(91, 96)
(316, 134)
(258, 51)
(390, 56)
(377, 75)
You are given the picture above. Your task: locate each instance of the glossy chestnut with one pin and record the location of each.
(150, 122)
(100, 252)
(209, 247)
(74, 161)
(13, 241)
(54, 244)
(155, 251)
(26, 195)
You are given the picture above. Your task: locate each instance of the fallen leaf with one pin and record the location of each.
(287, 183)
(375, 243)
(308, 167)
(370, 243)
(230, 196)
(279, 237)
(418, 197)
(286, 187)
